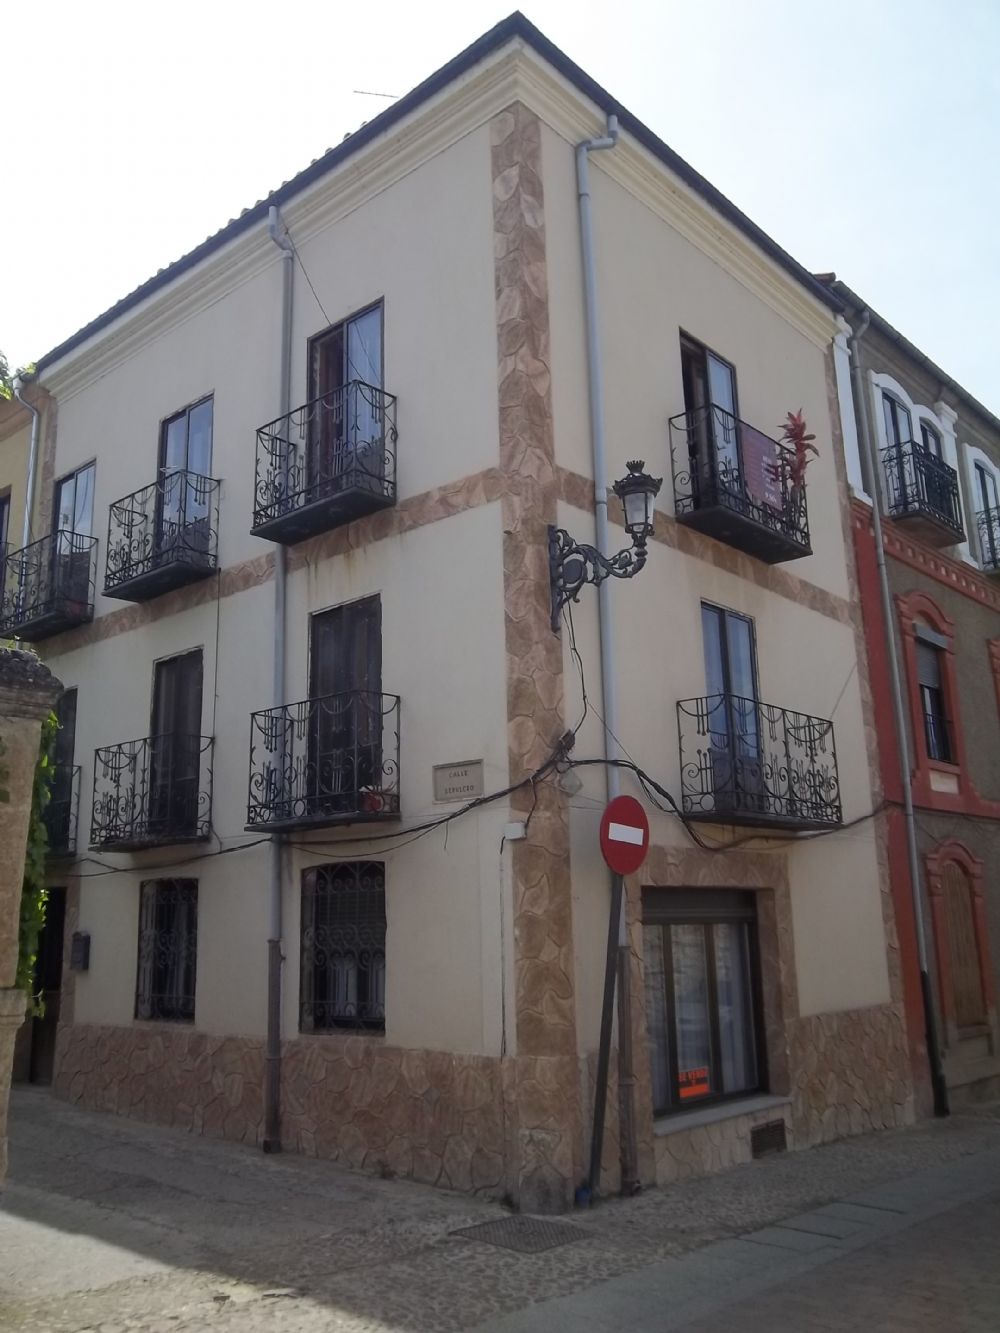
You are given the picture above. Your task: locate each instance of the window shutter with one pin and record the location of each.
(963, 950)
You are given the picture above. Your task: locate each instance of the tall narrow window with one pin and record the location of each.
(73, 524)
(345, 383)
(898, 427)
(168, 950)
(343, 947)
(930, 440)
(732, 709)
(710, 404)
(702, 1007)
(183, 497)
(4, 521)
(345, 671)
(986, 489)
(175, 747)
(963, 949)
(937, 725)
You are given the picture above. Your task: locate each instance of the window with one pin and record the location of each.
(73, 512)
(710, 404)
(937, 725)
(986, 489)
(175, 746)
(345, 681)
(346, 372)
(343, 947)
(930, 440)
(702, 1005)
(168, 950)
(73, 525)
(4, 520)
(898, 428)
(732, 709)
(183, 518)
(186, 440)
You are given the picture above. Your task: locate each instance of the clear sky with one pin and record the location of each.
(861, 134)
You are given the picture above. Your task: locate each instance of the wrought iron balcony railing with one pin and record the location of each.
(988, 528)
(62, 812)
(152, 791)
(325, 761)
(738, 485)
(48, 587)
(326, 463)
(744, 762)
(163, 536)
(922, 490)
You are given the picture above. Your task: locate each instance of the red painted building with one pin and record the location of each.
(929, 453)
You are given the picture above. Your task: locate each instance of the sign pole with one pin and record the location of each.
(604, 1049)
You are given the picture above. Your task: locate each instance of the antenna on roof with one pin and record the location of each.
(363, 92)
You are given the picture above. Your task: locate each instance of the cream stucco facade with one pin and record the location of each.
(460, 219)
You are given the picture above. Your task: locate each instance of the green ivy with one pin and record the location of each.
(34, 893)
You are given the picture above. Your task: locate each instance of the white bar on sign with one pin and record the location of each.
(624, 833)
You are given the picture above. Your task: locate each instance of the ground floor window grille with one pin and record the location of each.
(343, 947)
(702, 997)
(168, 950)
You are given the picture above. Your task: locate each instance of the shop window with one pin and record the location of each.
(702, 997)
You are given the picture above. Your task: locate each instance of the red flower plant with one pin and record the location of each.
(795, 436)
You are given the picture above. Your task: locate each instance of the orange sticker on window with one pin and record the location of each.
(693, 1083)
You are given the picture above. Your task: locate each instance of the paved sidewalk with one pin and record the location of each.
(112, 1225)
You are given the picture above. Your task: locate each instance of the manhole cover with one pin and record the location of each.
(528, 1235)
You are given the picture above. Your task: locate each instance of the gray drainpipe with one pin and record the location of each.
(938, 1085)
(618, 948)
(272, 1053)
(29, 497)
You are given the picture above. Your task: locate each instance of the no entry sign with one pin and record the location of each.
(624, 835)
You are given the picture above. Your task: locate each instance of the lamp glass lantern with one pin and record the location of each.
(637, 492)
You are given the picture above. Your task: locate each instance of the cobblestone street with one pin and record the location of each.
(112, 1225)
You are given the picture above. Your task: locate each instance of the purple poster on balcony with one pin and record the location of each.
(761, 475)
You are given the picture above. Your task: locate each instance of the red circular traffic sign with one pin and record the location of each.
(624, 835)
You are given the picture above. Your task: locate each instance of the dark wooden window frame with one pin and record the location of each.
(662, 908)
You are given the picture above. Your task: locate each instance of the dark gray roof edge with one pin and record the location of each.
(514, 26)
(851, 298)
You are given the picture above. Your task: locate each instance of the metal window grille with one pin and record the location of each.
(343, 947)
(168, 950)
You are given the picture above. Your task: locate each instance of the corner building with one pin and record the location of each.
(441, 985)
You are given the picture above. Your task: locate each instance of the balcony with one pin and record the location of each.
(736, 484)
(744, 762)
(48, 587)
(921, 490)
(162, 537)
(326, 463)
(152, 792)
(988, 528)
(61, 813)
(325, 761)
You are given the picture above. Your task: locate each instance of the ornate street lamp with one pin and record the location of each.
(572, 564)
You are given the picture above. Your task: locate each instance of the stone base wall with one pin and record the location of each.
(683, 1154)
(430, 1115)
(435, 1117)
(850, 1073)
(211, 1085)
